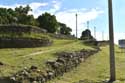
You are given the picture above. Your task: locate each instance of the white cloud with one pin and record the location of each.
(84, 15)
(10, 6)
(36, 11)
(56, 5)
(36, 5)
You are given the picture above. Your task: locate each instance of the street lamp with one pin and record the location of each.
(111, 42)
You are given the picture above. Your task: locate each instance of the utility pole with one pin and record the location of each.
(87, 24)
(111, 42)
(88, 28)
(102, 35)
(95, 32)
(76, 25)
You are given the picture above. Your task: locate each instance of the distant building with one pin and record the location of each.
(121, 43)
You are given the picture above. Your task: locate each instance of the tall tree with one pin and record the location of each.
(48, 22)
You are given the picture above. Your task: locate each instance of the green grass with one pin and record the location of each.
(16, 59)
(96, 69)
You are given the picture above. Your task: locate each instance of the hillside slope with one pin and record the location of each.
(16, 59)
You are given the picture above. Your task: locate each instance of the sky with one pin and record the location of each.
(94, 11)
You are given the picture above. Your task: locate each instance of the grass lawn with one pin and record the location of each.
(16, 59)
(95, 69)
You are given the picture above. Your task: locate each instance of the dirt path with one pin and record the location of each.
(41, 52)
(37, 53)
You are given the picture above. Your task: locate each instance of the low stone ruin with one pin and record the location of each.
(65, 62)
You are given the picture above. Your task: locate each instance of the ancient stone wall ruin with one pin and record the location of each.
(65, 62)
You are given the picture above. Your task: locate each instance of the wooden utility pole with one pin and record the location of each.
(76, 25)
(111, 41)
(95, 32)
(88, 28)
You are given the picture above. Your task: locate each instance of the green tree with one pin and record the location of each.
(64, 29)
(48, 22)
(19, 15)
(86, 35)
(3, 15)
(23, 17)
(23, 10)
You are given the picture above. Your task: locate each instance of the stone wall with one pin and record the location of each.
(65, 62)
(20, 29)
(24, 42)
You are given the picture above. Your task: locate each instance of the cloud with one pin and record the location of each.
(36, 8)
(36, 5)
(84, 15)
(10, 6)
(56, 6)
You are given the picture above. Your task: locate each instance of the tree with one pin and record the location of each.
(48, 22)
(4, 15)
(86, 35)
(23, 17)
(19, 16)
(64, 29)
(23, 10)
